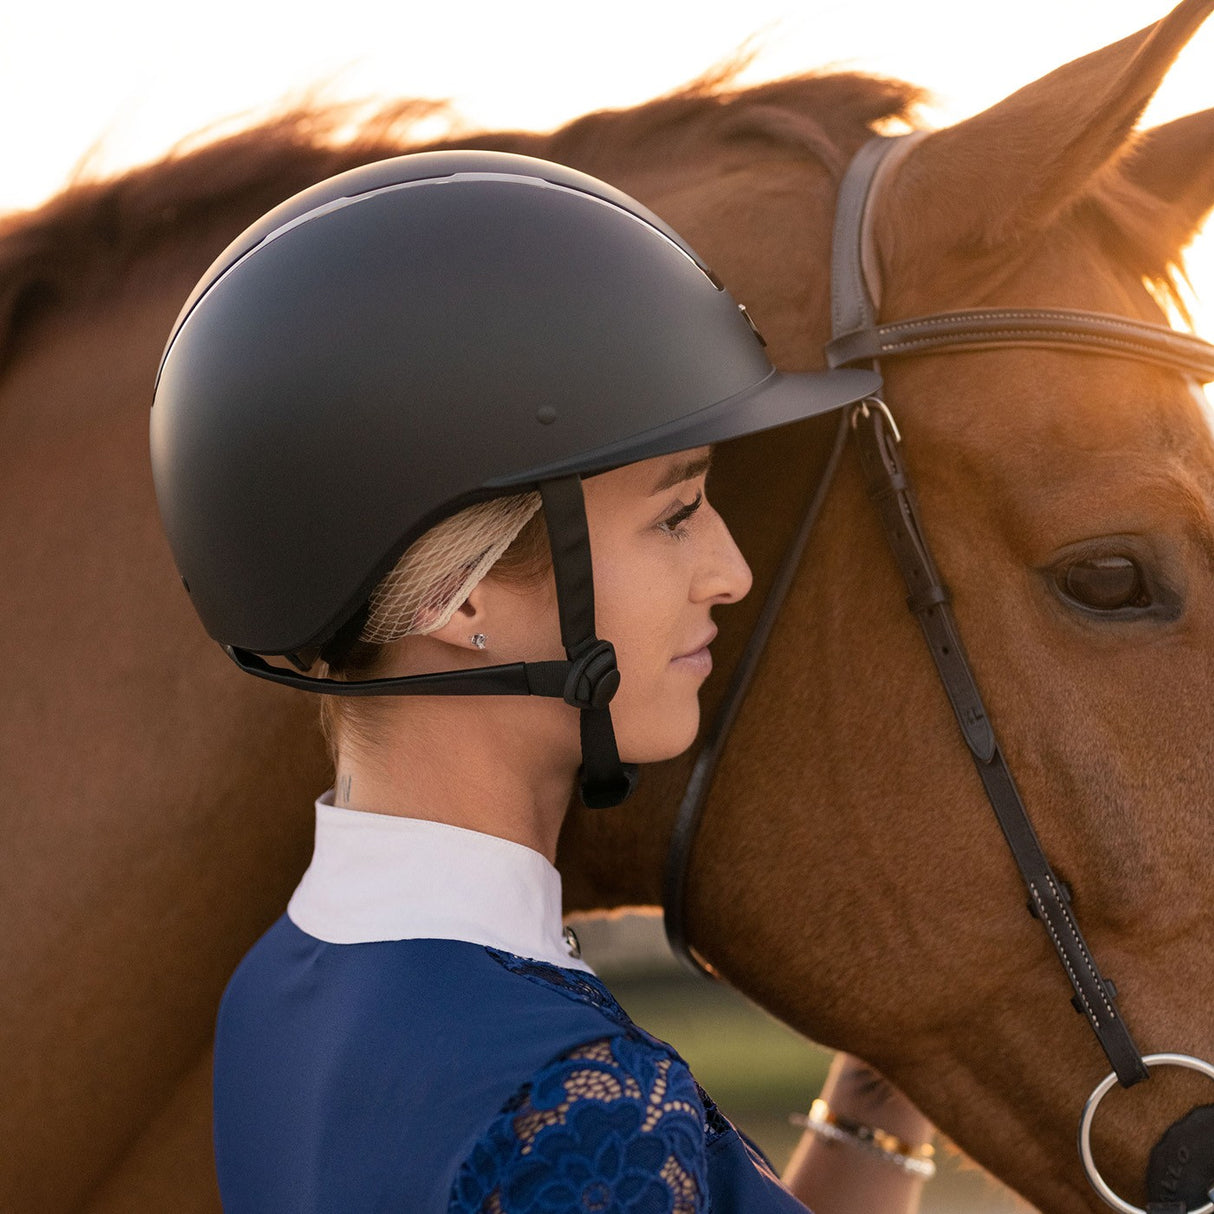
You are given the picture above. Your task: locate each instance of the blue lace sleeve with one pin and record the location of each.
(613, 1127)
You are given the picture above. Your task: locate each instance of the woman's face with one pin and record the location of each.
(663, 558)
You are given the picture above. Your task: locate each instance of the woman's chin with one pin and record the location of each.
(666, 738)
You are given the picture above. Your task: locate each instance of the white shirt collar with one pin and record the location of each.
(376, 877)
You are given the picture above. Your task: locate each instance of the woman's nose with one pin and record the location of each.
(725, 576)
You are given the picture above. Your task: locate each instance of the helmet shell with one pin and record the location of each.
(417, 334)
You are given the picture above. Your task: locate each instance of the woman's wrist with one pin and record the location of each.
(856, 1092)
(865, 1146)
(914, 1157)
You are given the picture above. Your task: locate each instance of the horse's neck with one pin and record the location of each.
(159, 803)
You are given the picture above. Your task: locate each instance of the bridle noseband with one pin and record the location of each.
(858, 338)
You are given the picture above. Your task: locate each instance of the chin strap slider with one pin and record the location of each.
(593, 677)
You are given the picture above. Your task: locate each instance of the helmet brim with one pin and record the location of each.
(778, 399)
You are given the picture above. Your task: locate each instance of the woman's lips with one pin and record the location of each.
(699, 658)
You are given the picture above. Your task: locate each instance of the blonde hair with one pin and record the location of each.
(425, 587)
(438, 571)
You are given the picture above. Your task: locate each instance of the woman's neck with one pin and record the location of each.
(467, 766)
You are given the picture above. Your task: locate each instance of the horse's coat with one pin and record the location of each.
(850, 877)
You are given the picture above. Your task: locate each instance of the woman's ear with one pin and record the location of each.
(468, 626)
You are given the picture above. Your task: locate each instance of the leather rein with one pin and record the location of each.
(857, 338)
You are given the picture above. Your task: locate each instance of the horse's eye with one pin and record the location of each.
(1104, 583)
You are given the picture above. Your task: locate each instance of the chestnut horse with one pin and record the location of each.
(849, 876)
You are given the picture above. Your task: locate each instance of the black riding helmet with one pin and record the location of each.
(418, 334)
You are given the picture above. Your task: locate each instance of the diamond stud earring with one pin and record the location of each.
(478, 639)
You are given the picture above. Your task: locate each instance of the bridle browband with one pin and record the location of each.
(858, 338)
(1046, 328)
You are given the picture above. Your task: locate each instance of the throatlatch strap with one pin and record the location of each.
(699, 783)
(593, 677)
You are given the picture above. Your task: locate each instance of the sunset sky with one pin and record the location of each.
(115, 84)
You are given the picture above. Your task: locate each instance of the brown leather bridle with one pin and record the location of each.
(857, 338)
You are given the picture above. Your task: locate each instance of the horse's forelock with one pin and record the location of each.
(1136, 230)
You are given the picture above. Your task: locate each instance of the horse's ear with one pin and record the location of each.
(1174, 164)
(1014, 167)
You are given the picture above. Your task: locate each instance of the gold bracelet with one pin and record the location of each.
(823, 1121)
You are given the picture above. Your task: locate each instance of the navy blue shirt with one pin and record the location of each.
(451, 1076)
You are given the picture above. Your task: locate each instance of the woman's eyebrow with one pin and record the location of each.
(685, 470)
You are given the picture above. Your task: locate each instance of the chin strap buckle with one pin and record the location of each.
(593, 677)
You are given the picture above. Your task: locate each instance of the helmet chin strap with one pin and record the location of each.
(586, 680)
(604, 780)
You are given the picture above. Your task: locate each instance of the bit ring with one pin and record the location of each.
(1089, 1112)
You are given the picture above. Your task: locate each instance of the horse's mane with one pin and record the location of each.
(82, 243)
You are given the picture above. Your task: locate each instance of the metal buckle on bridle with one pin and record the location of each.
(1089, 1113)
(862, 410)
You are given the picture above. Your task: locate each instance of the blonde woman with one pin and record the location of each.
(393, 423)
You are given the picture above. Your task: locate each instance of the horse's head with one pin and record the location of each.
(1069, 497)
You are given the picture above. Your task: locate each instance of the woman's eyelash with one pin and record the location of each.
(673, 522)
